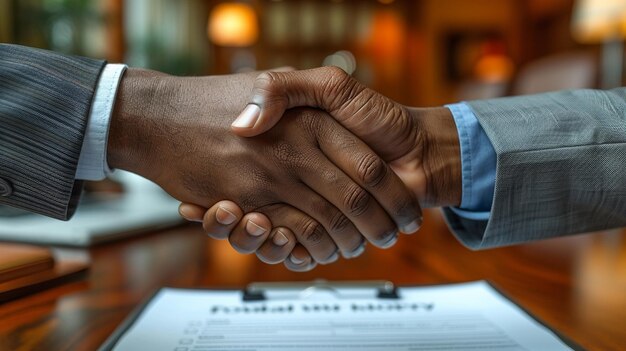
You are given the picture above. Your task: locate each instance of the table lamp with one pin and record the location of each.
(603, 21)
(233, 24)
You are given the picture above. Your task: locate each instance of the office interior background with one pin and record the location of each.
(420, 53)
(423, 52)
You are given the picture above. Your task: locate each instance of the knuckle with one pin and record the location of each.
(329, 176)
(339, 84)
(266, 81)
(311, 231)
(372, 170)
(336, 73)
(357, 201)
(270, 90)
(284, 152)
(338, 222)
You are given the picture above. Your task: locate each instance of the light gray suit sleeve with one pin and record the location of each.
(560, 166)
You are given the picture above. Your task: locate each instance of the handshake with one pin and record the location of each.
(313, 166)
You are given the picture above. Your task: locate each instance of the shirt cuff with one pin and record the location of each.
(478, 165)
(92, 162)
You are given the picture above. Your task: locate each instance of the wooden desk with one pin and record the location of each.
(576, 284)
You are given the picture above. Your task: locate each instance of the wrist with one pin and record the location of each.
(441, 156)
(131, 145)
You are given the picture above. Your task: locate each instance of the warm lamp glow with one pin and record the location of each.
(494, 65)
(387, 34)
(233, 24)
(597, 20)
(494, 68)
(603, 21)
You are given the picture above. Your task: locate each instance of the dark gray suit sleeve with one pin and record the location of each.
(560, 166)
(44, 105)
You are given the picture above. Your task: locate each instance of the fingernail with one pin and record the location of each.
(359, 250)
(391, 241)
(248, 117)
(254, 229)
(412, 227)
(280, 239)
(224, 216)
(295, 260)
(184, 212)
(332, 258)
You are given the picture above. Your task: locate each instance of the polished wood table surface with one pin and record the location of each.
(577, 285)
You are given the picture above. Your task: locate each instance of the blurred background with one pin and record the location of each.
(422, 52)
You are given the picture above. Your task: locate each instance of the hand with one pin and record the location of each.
(226, 220)
(420, 144)
(308, 174)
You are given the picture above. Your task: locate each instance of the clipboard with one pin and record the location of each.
(256, 293)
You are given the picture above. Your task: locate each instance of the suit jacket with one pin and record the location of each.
(561, 166)
(45, 99)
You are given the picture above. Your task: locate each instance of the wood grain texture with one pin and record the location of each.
(20, 260)
(60, 272)
(575, 284)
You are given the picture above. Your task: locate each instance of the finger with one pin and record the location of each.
(278, 246)
(282, 69)
(309, 232)
(291, 219)
(373, 177)
(250, 233)
(273, 93)
(299, 261)
(191, 212)
(357, 205)
(325, 221)
(221, 219)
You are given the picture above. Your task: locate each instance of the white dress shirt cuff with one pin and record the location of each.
(92, 163)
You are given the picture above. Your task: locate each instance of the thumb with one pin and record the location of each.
(275, 92)
(377, 120)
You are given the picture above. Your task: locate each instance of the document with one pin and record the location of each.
(469, 316)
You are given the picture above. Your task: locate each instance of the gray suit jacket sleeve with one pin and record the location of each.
(44, 104)
(560, 166)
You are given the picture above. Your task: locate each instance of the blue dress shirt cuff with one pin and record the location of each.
(92, 162)
(478, 165)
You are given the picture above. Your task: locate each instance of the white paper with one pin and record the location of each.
(470, 316)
